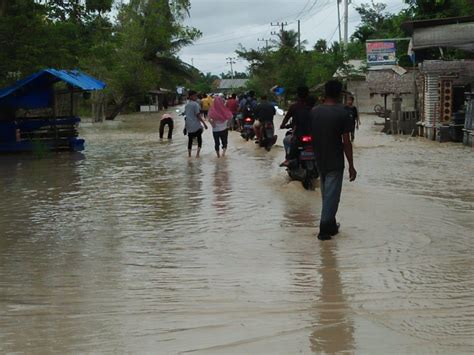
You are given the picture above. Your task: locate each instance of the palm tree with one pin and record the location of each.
(288, 40)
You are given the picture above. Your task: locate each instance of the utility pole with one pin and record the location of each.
(280, 24)
(192, 62)
(264, 40)
(346, 22)
(299, 36)
(339, 20)
(231, 61)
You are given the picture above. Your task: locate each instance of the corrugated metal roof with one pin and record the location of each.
(453, 35)
(233, 83)
(453, 32)
(35, 90)
(73, 77)
(411, 25)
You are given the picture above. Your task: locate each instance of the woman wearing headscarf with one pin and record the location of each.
(218, 115)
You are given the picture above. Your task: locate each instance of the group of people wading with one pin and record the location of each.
(330, 124)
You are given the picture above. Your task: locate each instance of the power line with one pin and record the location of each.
(231, 35)
(223, 34)
(314, 10)
(303, 9)
(231, 39)
(312, 7)
(335, 30)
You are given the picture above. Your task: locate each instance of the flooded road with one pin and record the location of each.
(133, 247)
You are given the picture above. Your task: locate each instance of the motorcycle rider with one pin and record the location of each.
(247, 106)
(299, 112)
(264, 112)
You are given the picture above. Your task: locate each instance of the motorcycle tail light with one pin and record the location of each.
(248, 119)
(306, 139)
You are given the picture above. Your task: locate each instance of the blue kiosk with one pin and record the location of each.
(40, 110)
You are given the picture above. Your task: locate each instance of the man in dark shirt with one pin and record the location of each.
(354, 115)
(264, 112)
(330, 128)
(299, 113)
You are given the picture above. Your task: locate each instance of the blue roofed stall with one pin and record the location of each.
(41, 109)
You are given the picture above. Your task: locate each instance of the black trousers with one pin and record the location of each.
(221, 136)
(163, 123)
(191, 136)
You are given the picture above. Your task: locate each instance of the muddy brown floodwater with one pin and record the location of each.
(133, 248)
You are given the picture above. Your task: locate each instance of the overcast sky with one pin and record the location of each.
(226, 23)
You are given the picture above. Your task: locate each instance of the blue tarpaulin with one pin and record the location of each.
(36, 91)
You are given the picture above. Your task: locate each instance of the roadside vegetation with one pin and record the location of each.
(286, 65)
(133, 46)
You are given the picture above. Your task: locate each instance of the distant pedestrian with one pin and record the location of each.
(194, 123)
(219, 115)
(353, 114)
(330, 128)
(206, 103)
(233, 105)
(166, 120)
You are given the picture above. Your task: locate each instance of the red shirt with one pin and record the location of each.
(232, 105)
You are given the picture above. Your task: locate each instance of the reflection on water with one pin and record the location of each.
(222, 188)
(334, 330)
(133, 247)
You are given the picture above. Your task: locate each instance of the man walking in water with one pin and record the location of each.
(354, 115)
(330, 129)
(193, 126)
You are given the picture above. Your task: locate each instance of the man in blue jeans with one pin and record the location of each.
(330, 129)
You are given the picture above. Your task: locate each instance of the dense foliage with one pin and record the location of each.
(285, 65)
(133, 45)
(133, 53)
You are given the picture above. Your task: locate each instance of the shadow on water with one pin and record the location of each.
(222, 188)
(334, 330)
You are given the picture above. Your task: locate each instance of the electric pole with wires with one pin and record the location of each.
(346, 22)
(299, 36)
(231, 61)
(264, 40)
(339, 20)
(280, 24)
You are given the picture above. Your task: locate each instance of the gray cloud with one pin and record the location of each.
(227, 23)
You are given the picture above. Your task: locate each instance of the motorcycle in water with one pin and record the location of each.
(268, 137)
(247, 128)
(303, 168)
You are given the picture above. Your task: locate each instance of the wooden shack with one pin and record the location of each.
(40, 111)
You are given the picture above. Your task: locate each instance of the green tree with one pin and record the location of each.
(376, 22)
(205, 83)
(136, 53)
(141, 53)
(237, 75)
(290, 68)
(428, 9)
